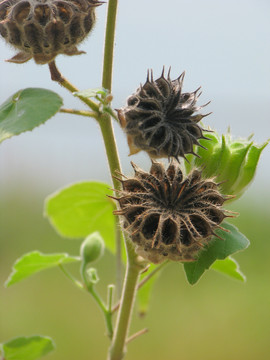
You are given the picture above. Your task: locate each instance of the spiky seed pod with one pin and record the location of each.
(167, 216)
(160, 120)
(42, 29)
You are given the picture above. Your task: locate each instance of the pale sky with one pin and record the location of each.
(222, 45)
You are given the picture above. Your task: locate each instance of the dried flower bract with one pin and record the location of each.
(160, 120)
(167, 216)
(42, 29)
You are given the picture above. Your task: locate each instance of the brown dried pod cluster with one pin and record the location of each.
(159, 118)
(42, 29)
(168, 216)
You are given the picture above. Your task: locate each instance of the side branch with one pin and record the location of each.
(57, 76)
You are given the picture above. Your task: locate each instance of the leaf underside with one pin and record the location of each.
(229, 267)
(217, 249)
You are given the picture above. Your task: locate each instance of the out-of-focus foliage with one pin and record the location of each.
(48, 304)
(26, 348)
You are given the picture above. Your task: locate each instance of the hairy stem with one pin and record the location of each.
(109, 45)
(135, 336)
(107, 314)
(144, 281)
(105, 123)
(117, 349)
(78, 112)
(91, 289)
(118, 251)
(133, 268)
(57, 76)
(70, 277)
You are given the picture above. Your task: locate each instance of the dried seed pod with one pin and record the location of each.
(167, 216)
(42, 29)
(160, 120)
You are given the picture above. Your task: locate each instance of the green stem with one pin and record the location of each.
(90, 288)
(118, 254)
(106, 128)
(107, 314)
(117, 350)
(144, 281)
(70, 277)
(154, 272)
(133, 267)
(109, 45)
(57, 76)
(105, 123)
(78, 112)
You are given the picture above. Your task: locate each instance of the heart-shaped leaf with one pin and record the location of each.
(81, 209)
(26, 110)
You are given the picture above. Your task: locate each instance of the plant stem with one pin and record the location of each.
(107, 314)
(133, 269)
(136, 335)
(109, 45)
(105, 123)
(118, 254)
(57, 76)
(78, 112)
(110, 298)
(70, 277)
(144, 281)
(152, 273)
(90, 288)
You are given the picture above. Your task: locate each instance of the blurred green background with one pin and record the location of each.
(218, 318)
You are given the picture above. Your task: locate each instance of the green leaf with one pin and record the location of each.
(233, 242)
(27, 348)
(26, 110)
(34, 262)
(83, 208)
(92, 92)
(229, 267)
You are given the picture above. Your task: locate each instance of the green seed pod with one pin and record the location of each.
(92, 248)
(232, 162)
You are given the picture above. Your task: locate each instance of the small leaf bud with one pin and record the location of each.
(92, 248)
(92, 276)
